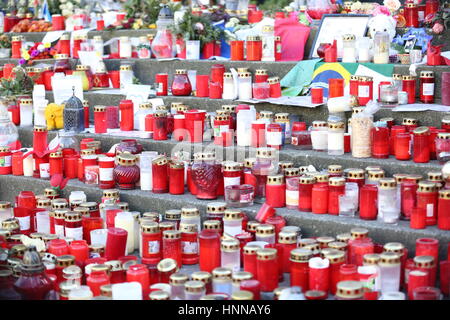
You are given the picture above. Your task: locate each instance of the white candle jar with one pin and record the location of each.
(191, 215)
(245, 85)
(28, 166)
(336, 132)
(97, 44)
(389, 267)
(388, 201)
(222, 285)
(125, 47)
(26, 112)
(349, 48)
(268, 43)
(265, 232)
(77, 196)
(381, 47)
(364, 49)
(230, 254)
(145, 165)
(319, 135)
(194, 290)
(145, 108)
(5, 210)
(228, 86)
(126, 75)
(232, 222)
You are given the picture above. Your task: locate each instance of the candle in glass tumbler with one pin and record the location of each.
(172, 246)
(230, 254)
(389, 266)
(116, 243)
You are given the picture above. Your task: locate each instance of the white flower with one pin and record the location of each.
(62, 6)
(40, 47)
(66, 12)
(392, 5)
(69, 5)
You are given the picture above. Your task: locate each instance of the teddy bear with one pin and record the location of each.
(54, 116)
(383, 23)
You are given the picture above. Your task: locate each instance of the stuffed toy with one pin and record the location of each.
(54, 116)
(382, 23)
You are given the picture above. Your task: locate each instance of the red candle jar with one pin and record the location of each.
(287, 241)
(418, 218)
(181, 86)
(209, 258)
(427, 247)
(426, 264)
(172, 246)
(215, 90)
(254, 48)
(151, 243)
(348, 272)
(427, 198)
(159, 175)
(368, 198)
(411, 14)
(258, 134)
(319, 274)
(274, 136)
(249, 259)
(416, 279)
(40, 139)
(444, 276)
(194, 122)
(354, 82)
(100, 119)
(126, 115)
(64, 44)
(73, 227)
(71, 167)
(261, 76)
(6, 160)
(443, 216)
(97, 279)
(409, 85)
(276, 191)
(317, 95)
(160, 125)
(336, 259)
(189, 244)
(408, 198)
(80, 250)
(275, 87)
(7, 70)
(336, 88)
(58, 22)
(426, 86)
(140, 273)
(336, 188)
(58, 247)
(56, 163)
(278, 48)
(89, 224)
(202, 85)
(58, 222)
(106, 169)
(217, 71)
(126, 173)
(114, 76)
(380, 142)
(357, 248)
(112, 117)
(237, 50)
(421, 146)
(299, 267)
(61, 263)
(161, 83)
(116, 243)
(14, 112)
(17, 163)
(253, 286)
(267, 269)
(392, 137)
(320, 195)
(365, 90)
(403, 146)
(16, 46)
(176, 177)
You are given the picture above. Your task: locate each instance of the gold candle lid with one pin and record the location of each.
(301, 255)
(229, 245)
(242, 295)
(178, 278)
(371, 259)
(265, 229)
(266, 254)
(222, 273)
(424, 261)
(389, 258)
(171, 234)
(349, 290)
(216, 207)
(359, 233)
(387, 183)
(336, 181)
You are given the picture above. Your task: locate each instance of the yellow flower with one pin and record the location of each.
(135, 26)
(152, 26)
(47, 45)
(26, 56)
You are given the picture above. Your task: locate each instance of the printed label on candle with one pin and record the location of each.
(106, 174)
(189, 247)
(274, 138)
(159, 87)
(292, 197)
(219, 129)
(428, 89)
(59, 230)
(75, 233)
(5, 161)
(247, 197)
(231, 181)
(363, 91)
(153, 246)
(430, 210)
(24, 223)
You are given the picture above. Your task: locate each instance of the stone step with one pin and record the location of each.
(311, 224)
(320, 160)
(429, 118)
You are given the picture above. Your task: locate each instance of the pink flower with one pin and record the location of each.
(199, 26)
(381, 10)
(438, 28)
(392, 5)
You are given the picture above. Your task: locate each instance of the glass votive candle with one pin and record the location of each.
(238, 196)
(98, 237)
(426, 293)
(261, 90)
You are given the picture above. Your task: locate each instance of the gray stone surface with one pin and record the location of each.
(312, 225)
(320, 160)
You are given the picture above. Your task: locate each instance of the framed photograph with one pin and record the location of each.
(410, 43)
(334, 26)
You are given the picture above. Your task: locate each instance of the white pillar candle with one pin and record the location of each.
(228, 86)
(193, 49)
(43, 222)
(125, 47)
(28, 164)
(145, 165)
(244, 121)
(127, 291)
(137, 229)
(125, 221)
(245, 86)
(26, 112)
(81, 293)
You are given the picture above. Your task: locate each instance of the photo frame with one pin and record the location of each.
(334, 26)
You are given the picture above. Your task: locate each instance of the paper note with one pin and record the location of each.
(63, 87)
(52, 36)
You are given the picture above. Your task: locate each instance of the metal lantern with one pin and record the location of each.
(73, 114)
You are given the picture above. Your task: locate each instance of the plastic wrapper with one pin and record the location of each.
(362, 124)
